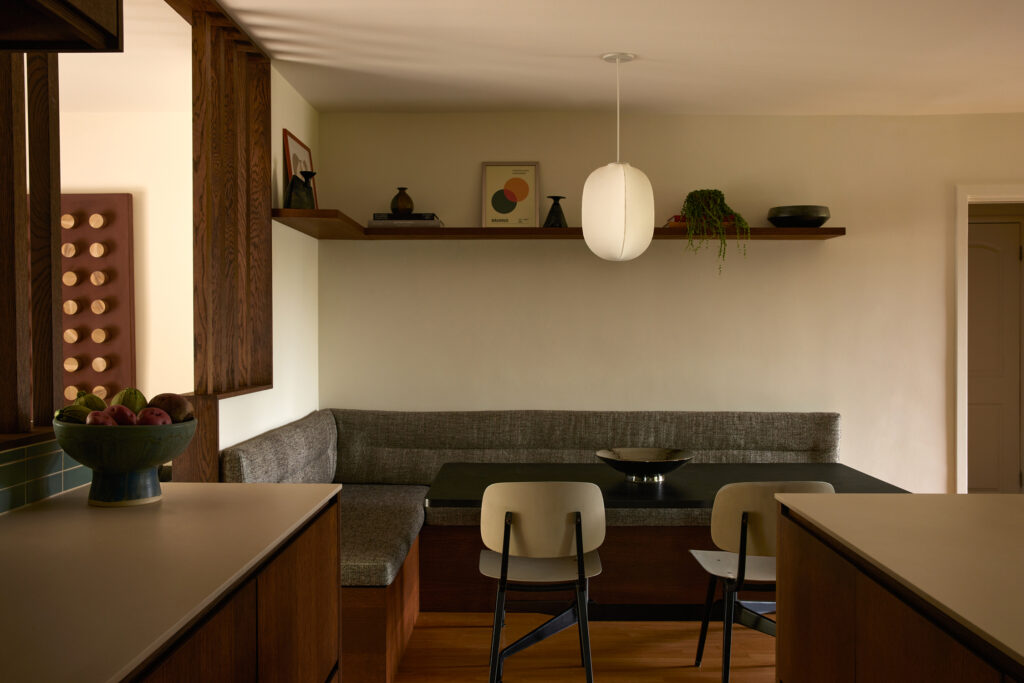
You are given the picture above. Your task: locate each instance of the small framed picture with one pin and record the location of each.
(297, 158)
(510, 191)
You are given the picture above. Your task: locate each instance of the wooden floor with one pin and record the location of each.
(453, 647)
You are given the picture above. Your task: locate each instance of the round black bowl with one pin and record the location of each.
(798, 216)
(124, 459)
(644, 465)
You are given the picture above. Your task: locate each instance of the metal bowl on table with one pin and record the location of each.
(645, 465)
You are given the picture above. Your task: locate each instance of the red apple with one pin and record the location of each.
(153, 416)
(100, 417)
(122, 414)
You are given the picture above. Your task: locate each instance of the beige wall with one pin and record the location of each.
(147, 154)
(294, 259)
(862, 324)
(126, 126)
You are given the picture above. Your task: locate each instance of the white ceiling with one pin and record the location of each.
(695, 56)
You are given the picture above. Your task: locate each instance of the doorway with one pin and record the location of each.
(994, 296)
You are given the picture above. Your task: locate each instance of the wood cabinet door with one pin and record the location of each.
(299, 594)
(221, 650)
(896, 643)
(816, 595)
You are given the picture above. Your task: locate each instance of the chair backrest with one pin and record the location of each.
(757, 499)
(543, 517)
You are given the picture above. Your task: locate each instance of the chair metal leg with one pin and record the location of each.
(582, 595)
(579, 632)
(499, 622)
(729, 599)
(708, 604)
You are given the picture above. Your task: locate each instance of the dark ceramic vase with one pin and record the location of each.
(300, 192)
(401, 203)
(556, 218)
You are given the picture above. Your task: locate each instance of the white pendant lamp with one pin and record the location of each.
(618, 201)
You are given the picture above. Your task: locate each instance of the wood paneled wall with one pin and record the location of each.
(15, 384)
(231, 224)
(44, 234)
(28, 240)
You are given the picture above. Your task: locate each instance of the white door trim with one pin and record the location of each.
(965, 195)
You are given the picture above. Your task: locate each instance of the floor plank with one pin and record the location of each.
(451, 647)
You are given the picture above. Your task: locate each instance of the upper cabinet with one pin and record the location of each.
(62, 26)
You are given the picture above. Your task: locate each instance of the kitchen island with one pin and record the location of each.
(900, 588)
(223, 582)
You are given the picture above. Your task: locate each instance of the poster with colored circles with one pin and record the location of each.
(510, 195)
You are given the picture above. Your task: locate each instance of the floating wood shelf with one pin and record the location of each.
(331, 224)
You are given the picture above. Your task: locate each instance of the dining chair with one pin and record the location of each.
(541, 536)
(743, 526)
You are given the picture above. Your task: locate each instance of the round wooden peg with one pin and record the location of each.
(98, 306)
(98, 277)
(100, 364)
(96, 220)
(97, 249)
(68, 250)
(70, 335)
(70, 364)
(100, 390)
(99, 336)
(70, 307)
(69, 278)
(67, 221)
(71, 392)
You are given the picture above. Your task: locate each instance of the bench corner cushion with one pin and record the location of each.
(378, 526)
(303, 451)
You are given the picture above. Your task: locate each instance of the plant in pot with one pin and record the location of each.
(707, 216)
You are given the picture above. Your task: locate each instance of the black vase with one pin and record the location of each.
(401, 203)
(556, 218)
(300, 192)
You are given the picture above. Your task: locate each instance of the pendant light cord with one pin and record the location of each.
(618, 99)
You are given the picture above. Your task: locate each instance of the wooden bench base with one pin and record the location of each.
(641, 566)
(376, 624)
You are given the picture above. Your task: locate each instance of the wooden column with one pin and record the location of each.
(15, 368)
(231, 226)
(231, 204)
(44, 234)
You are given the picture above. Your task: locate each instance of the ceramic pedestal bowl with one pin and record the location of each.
(124, 459)
(798, 216)
(645, 465)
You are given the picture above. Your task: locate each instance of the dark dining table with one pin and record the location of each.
(648, 571)
(694, 485)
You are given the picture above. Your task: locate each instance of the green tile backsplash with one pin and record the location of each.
(31, 473)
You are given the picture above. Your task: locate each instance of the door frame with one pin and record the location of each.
(966, 195)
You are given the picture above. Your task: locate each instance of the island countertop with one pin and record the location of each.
(90, 593)
(961, 554)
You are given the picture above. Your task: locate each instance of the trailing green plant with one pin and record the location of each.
(707, 217)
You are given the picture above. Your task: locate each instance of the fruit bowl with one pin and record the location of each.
(798, 216)
(123, 458)
(645, 465)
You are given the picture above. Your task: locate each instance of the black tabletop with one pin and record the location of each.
(460, 485)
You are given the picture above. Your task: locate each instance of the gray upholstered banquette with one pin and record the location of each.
(386, 460)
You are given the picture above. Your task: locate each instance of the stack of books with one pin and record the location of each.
(409, 220)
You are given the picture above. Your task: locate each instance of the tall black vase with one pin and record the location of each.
(556, 218)
(300, 192)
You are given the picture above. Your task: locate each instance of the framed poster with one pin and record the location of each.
(297, 158)
(510, 194)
